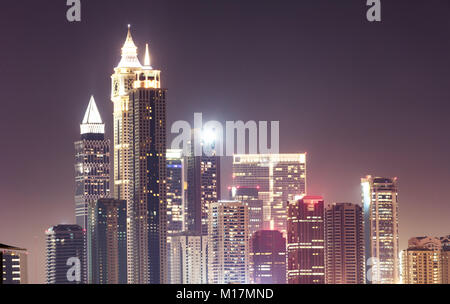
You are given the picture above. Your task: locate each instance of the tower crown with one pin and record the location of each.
(92, 121)
(129, 53)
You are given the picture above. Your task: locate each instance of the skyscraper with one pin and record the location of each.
(228, 243)
(421, 261)
(92, 163)
(306, 243)
(268, 257)
(107, 239)
(255, 206)
(279, 177)
(140, 162)
(380, 203)
(203, 182)
(175, 191)
(187, 258)
(66, 250)
(344, 244)
(13, 265)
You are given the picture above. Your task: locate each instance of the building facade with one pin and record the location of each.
(268, 257)
(228, 243)
(203, 186)
(422, 261)
(306, 241)
(344, 244)
(279, 177)
(140, 162)
(255, 206)
(92, 163)
(107, 239)
(380, 203)
(66, 255)
(13, 265)
(188, 258)
(175, 191)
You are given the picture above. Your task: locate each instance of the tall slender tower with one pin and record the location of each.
(140, 162)
(92, 163)
(380, 201)
(306, 243)
(344, 244)
(203, 189)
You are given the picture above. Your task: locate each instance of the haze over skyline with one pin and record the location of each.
(359, 98)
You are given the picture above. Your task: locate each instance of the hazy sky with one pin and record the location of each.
(361, 98)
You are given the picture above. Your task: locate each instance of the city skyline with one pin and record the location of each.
(323, 167)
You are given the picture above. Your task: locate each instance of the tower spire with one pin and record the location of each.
(92, 121)
(147, 57)
(129, 53)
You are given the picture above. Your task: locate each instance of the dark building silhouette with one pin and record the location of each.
(268, 257)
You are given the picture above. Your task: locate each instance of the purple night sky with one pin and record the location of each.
(361, 98)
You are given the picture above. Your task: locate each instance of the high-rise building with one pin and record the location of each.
(203, 186)
(255, 206)
(187, 258)
(228, 243)
(140, 162)
(279, 177)
(13, 265)
(107, 239)
(306, 243)
(268, 257)
(344, 244)
(92, 163)
(91, 166)
(445, 259)
(380, 203)
(175, 191)
(65, 251)
(421, 261)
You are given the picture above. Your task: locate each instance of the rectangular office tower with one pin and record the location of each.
(344, 244)
(255, 206)
(107, 239)
(306, 243)
(140, 162)
(13, 265)
(175, 191)
(92, 163)
(187, 258)
(279, 177)
(66, 255)
(203, 186)
(422, 261)
(228, 243)
(380, 203)
(268, 257)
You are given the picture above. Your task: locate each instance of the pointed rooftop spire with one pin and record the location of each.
(147, 57)
(129, 53)
(92, 121)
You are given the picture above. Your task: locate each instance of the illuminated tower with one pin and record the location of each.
(140, 162)
(175, 191)
(422, 261)
(279, 177)
(92, 163)
(228, 243)
(380, 203)
(306, 243)
(203, 185)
